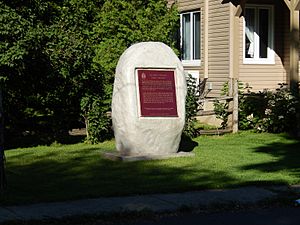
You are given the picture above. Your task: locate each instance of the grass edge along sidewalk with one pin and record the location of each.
(69, 172)
(206, 201)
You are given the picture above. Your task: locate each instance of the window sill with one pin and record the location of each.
(259, 61)
(191, 63)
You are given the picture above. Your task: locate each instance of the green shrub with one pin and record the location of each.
(281, 113)
(191, 107)
(221, 107)
(269, 111)
(97, 121)
(251, 109)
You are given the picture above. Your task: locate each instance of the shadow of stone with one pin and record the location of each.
(187, 144)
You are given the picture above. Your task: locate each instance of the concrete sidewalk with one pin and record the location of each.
(157, 203)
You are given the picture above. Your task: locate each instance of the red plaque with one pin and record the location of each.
(157, 93)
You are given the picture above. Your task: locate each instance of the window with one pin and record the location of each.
(190, 38)
(258, 35)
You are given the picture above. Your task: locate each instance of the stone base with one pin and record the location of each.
(115, 156)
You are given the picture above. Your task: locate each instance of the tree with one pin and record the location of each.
(57, 59)
(45, 57)
(120, 24)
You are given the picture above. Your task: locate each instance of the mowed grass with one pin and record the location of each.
(69, 172)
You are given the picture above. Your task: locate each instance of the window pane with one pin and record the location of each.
(196, 19)
(186, 37)
(263, 33)
(249, 33)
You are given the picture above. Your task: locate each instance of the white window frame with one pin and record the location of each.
(270, 51)
(191, 62)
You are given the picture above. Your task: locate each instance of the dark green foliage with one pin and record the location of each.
(251, 109)
(98, 122)
(57, 59)
(221, 107)
(221, 111)
(44, 61)
(270, 112)
(120, 24)
(191, 107)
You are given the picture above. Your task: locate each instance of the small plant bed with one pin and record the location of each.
(69, 172)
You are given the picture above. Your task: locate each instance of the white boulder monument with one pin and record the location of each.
(148, 103)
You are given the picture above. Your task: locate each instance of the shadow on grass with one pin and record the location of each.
(286, 157)
(87, 175)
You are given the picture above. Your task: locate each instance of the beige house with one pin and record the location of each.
(254, 41)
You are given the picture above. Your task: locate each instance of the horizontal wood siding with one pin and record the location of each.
(218, 45)
(187, 5)
(287, 46)
(259, 76)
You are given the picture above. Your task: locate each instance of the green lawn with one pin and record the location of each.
(65, 172)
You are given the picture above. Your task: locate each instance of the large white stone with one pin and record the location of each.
(136, 135)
